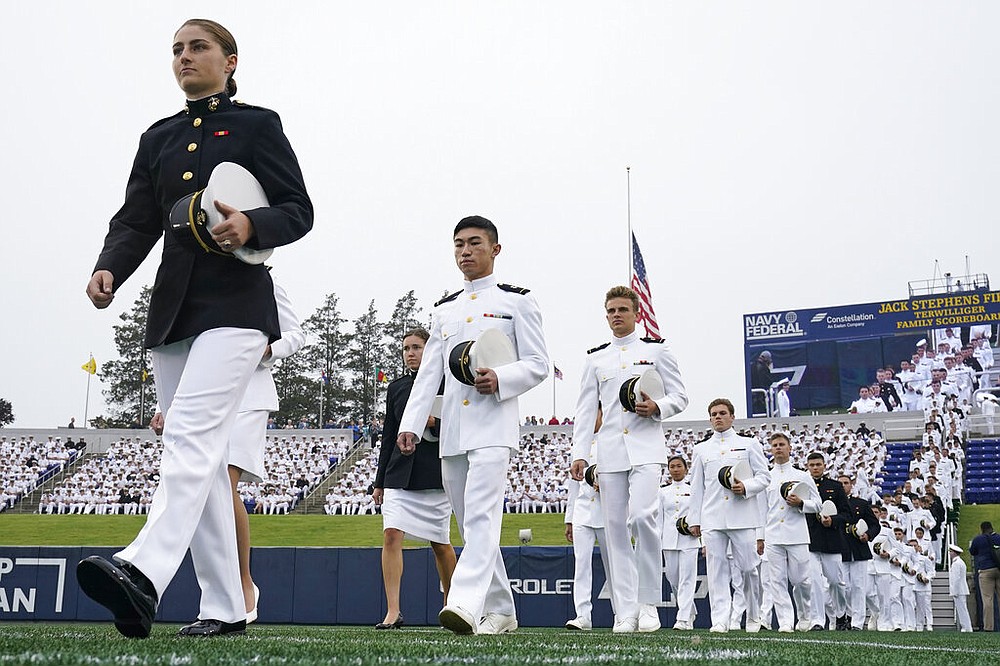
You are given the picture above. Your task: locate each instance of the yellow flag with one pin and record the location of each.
(90, 366)
(144, 374)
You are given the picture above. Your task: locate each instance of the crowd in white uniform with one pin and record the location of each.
(24, 462)
(123, 480)
(892, 590)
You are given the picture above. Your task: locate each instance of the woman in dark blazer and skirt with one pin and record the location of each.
(210, 318)
(410, 491)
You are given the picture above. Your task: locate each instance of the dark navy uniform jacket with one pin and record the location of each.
(830, 539)
(195, 290)
(419, 471)
(857, 550)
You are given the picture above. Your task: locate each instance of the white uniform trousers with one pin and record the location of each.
(681, 568)
(744, 549)
(630, 503)
(925, 619)
(871, 595)
(766, 598)
(833, 599)
(962, 618)
(788, 564)
(909, 601)
(856, 580)
(200, 383)
(583, 570)
(474, 482)
(890, 599)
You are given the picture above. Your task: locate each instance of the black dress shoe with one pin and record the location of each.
(391, 625)
(208, 628)
(817, 627)
(123, 590)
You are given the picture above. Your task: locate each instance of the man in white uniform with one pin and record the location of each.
(786, 534)
(958, 588)
(728, 516)
(680, 549)
(479, 421)
(630, 455)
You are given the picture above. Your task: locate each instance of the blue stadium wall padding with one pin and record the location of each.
(317, 586)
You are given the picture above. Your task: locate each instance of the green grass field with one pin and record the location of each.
(95, 644)
(548, 529)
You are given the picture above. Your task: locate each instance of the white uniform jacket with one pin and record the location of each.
(958, 578)
(675, 502)
(625, 440)
(470, 420)
(712, 505)
(786, 525)
(261, 393)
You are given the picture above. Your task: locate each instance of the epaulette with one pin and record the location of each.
(598, 348)
(449, 297)
(512, 289)
(655, 341)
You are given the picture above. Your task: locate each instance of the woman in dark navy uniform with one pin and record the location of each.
(409, 489)
(210, 319)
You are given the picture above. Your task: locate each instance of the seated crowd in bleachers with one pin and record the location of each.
(26, 463)
(294, 466)
(121, 481)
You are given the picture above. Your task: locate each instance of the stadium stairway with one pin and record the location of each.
(29, 503)
(314, 501)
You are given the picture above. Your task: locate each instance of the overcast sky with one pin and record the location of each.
(783, 155)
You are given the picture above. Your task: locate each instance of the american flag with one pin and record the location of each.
(557, 372)
(640, 284)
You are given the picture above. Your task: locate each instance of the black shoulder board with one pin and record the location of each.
(449, 297)
(514, 290)
(598, 348)
(655, 341)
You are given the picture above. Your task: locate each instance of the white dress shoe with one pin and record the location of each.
(579, 624)
(649, 619)
(681, 625)
(753, 627)
(719, 629)
(625, 625)
(497, 623)
(785, 630)
(458, 620)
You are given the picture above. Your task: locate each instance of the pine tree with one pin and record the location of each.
(6, 412)
(367, 350)
(131, 395)
(326, 353)
(404, 317)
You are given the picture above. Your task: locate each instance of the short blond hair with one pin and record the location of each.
(622, 291)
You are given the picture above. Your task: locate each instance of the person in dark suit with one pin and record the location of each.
(410, 490)
(761, 378)
(857, 555)
(826, 543)
(210, 318)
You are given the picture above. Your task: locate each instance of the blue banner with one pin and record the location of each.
(319, 586)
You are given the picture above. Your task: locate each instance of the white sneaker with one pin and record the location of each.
(625, 625)
(649, 619)
(457, 620)
(497, 623)
(681, 625)
(719, 629)
(579, 624)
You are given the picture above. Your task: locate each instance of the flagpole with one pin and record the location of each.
(628, 213)
(86, 406)
(554, 380)
(322, 380)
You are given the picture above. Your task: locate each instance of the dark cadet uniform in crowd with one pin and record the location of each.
(196, 290)
(857, 550)
(419, 471)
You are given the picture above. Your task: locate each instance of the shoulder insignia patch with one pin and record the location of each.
(655, 341)
(598, 348)
(514, 290)
(449, 297)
